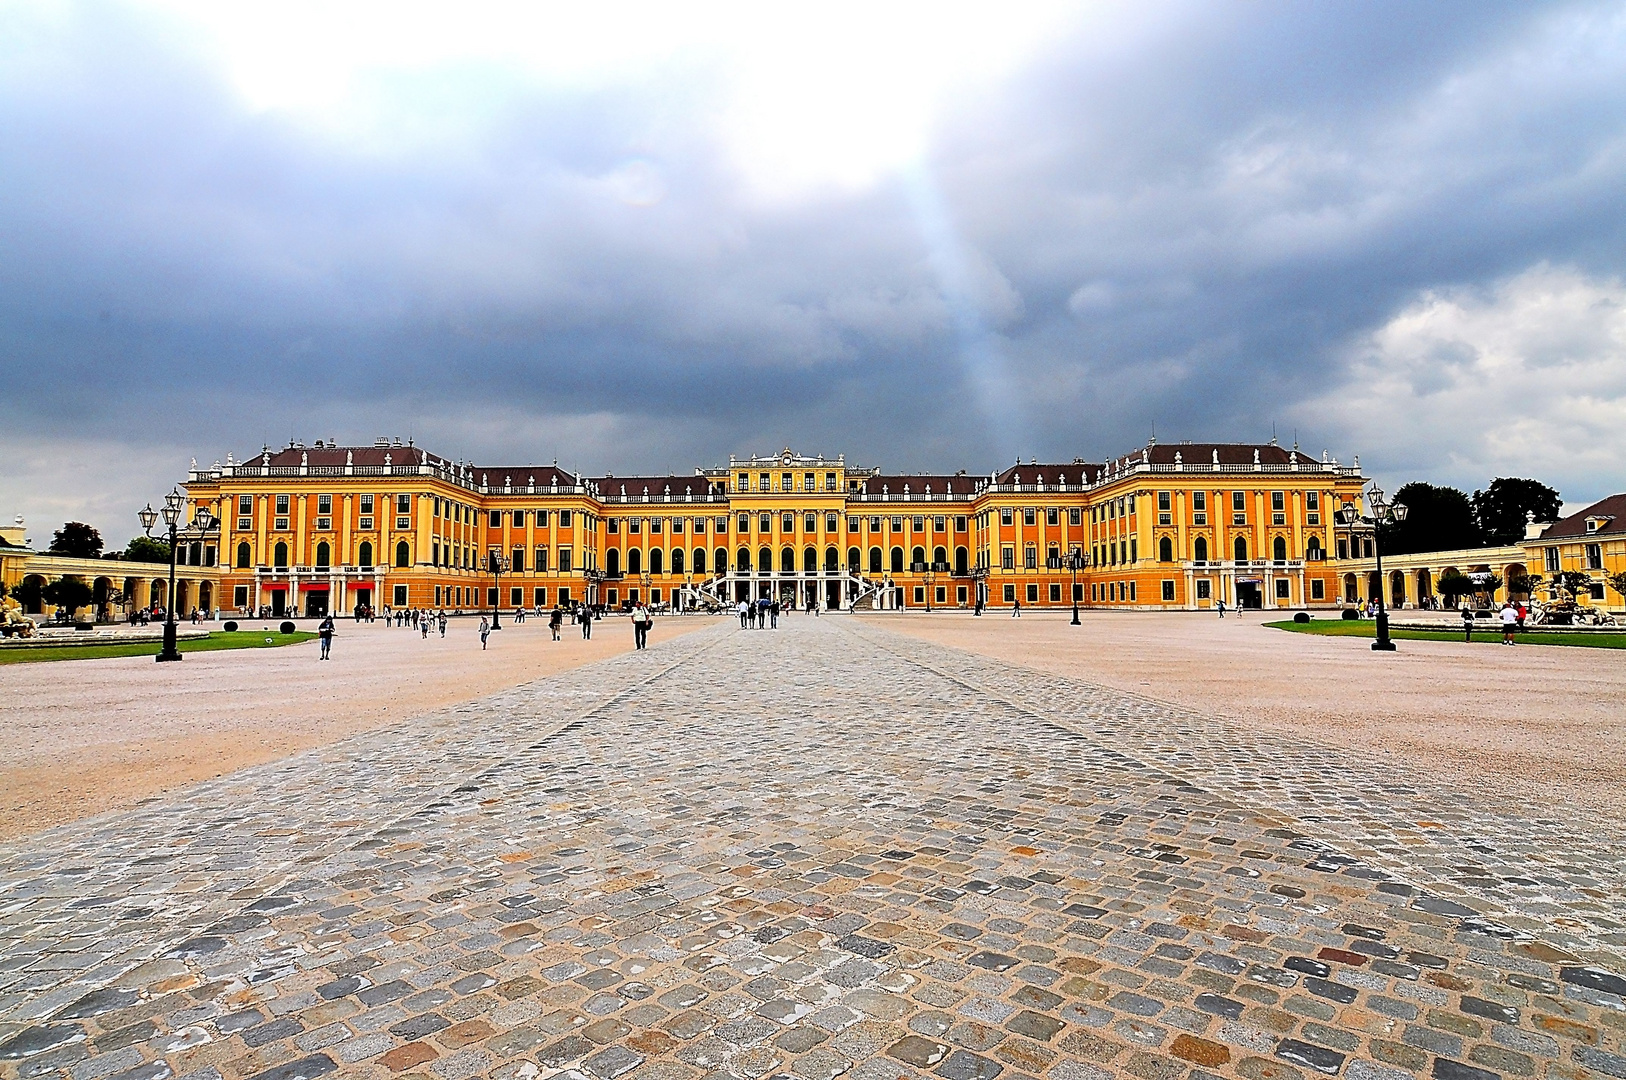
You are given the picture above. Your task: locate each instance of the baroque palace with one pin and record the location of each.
(312, 529)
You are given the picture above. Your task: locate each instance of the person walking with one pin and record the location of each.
(1467, 624)
(442, 622)
(1016, 609)
(742, 611)
(1220, 603)
(773, 615)
(485, 632)
(325, 632)
(1510, 622)
(586, 614)
(554, 620)
(640, 626)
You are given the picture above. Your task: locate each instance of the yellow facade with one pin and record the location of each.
(326, 528)
(1591, 544)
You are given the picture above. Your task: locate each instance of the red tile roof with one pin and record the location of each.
(1613, 507)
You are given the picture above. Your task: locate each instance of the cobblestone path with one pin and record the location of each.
(823, 851)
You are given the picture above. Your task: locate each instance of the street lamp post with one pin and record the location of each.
(497, 564)
(172, 517)
(1383, 513)
(929, 578)
(1075, 563)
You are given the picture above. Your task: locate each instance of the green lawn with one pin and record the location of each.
(240, 639)
(1484, 631)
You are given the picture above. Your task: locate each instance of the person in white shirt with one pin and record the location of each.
(1510, 622)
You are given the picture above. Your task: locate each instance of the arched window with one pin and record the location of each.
(655, 561)
(961, 563)
(742, 561)
(810, 560)
(1242, 549)
(677, 560)
(243, 556)
(279, 555)
(719, 561)
(1165, 550)
(787, 560)
(365, 555)
(1199, 549)
(1312, 551)
(853, 557)
(764, 560)
(1278, 550)
(832, 559)
(403, 554)
(939, 558)
(635, 561)
(324, 555)
(897, 560)
(917, 558)
(197, 554)
(875, 560)
(612, 562)
(700, 560)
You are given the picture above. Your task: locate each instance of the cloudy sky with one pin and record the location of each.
(928, 236)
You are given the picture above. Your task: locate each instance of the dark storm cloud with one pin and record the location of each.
(1181, 217)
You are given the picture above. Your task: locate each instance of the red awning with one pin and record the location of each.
(315, 587)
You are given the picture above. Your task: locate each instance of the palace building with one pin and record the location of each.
(325, 528)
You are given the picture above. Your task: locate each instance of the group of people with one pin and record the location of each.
(761, 614)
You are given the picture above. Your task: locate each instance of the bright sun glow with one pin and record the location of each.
(825, 94)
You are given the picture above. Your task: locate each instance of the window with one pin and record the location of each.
(282, 504)
(1594, 559)
(494, 519)
(677, 525)
(700, 560)
(1283, 589)
(615, 526)
(541, 519)
(854, 560)
(1595, 590)
(1312, 550)
(656, 524)
(657, 561)
(564, 559)
(765, 523)
(539, 597)
(677, 560)
(765, 482)
(1134, 549)
(541, 563)
(785, 482)
(787, 522)
(1131, 591)
(874, 524)
(807, 482)
(1163, 500)
(1204, 589)
(1241, 549)
(959, 595)
(635, 561)
(743, 483)
(403, 504)
(400, 596)
(742, 561)
(830, 522)
(897, 560)
(1027, 515)
(1199, 507)
(852, 525)
(1052, 516)
(961, 562)
(564, 520)
(1168, 591)
(1004, 515)
(243, 557)
(1239, 508)
(324, 555)
(1055, 593)
(1550, 555)
(1318, 589)
(1030, 557)
(564, 595)
(1278, 549)
(719, 561)
(635, 525)
(517, 561)
(1007, 558)
(1010, 594)
(959, 523)
(1165, 550)
(1199, 550)
(1033, 594)
(1343, 548)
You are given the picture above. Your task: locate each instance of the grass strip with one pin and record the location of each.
(1489, 633)
(238, 639)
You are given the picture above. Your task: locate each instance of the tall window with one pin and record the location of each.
(541, 563)
(1030, 557)
(243, 557)
(565, 562)
(700, 560)
(677, 560)
(403, 554)
(635, 561)
(1241, 549)
(518, 561)
(324, 555)
(1165, 551)
(1279, 549)
(364, 555)
(719, 561)
(875, 560)
(1199, 549)
(656, 561)
(897, 560)
(279, 555)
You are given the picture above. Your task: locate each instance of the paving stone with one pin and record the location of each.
(1110, 886)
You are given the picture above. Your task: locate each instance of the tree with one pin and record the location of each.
(1499, 510)
(1573, 582)
(77, 539)
(146, 549)
(1452, 586)
(1438, 519)
(1618, 583)
(68, 594)
(28, 593)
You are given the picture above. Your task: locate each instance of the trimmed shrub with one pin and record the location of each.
(1303, 616)
(231, 627)
(287, 628)
(1351, 614)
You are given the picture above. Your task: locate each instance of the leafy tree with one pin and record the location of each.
(1452, 586)
(1437, 519)
(77, 539)
(28, 592)
(146, 549)
(1618, 583)
(69, 594)
(1499, 510)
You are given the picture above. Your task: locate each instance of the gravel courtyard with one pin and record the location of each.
(834, 849)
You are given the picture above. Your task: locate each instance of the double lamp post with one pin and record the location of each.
(203, 519)
(1383, 513)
